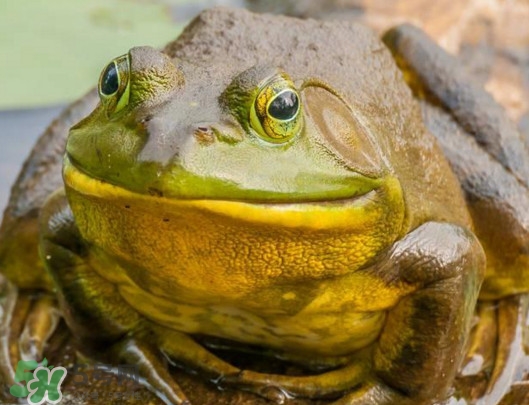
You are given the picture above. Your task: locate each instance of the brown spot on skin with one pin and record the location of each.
(204, 135)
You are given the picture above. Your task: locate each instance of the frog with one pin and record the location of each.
(304, 188)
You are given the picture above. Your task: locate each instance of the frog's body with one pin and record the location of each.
(250, 254)
(290, 198)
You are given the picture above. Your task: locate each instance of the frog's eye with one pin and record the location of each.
(114, 84)
(276, 112)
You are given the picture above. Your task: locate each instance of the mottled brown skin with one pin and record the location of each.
(489, 156)
(40, 176)
(431, 274)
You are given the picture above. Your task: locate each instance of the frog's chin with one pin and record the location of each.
(382, 205)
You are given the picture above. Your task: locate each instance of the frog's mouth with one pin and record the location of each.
(379, 207)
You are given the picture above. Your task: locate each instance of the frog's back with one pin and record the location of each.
(39, 177)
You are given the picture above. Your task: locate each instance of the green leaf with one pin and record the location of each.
(52, 51)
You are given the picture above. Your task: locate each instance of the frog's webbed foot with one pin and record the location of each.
(8, 298)
(26, 319)
(349, 383)
(481, 350)
(496, 356)
(375, 393)
(151, 368)
(39, 325)
(511, 361)
(330, 384)
(485, 150)
(274, 387)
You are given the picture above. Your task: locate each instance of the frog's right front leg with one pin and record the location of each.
(92, 306)
(421, 345)
(418, 352)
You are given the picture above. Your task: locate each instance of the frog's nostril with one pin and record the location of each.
(204, 135)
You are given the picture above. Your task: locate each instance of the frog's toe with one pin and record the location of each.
(374, 393)
(326, 385)
(480, 354)
(151, 368)
(184, 349)
(511, 359)
(40, 324)
(8, 298)
(496, 357)
(27, 320)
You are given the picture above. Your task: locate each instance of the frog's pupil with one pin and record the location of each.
(110, 83)
(284, 106)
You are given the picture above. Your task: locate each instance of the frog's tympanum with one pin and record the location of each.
(280, 184)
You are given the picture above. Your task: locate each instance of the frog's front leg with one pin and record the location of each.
(424, 334)
(485, 150)
(491, 161)
(92, 306)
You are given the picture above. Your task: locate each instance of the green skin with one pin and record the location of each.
(188, 208)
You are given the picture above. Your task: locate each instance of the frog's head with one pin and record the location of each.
(260, 131)
(166, 127)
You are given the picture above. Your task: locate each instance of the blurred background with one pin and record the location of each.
(52, 51)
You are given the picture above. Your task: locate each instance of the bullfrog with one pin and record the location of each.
(303, 188)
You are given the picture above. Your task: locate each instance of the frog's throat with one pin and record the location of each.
(381, 207)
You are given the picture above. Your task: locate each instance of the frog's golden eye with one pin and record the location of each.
(276, 112)
(114, 84)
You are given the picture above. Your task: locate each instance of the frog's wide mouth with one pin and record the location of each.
(355, 211)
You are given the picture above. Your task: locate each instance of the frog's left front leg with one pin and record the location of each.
(103, 321)
(420, 347)
(93, 307)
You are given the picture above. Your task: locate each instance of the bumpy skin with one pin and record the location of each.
(347, 243)
(492, 164)
(40, 176)
(489, 156)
